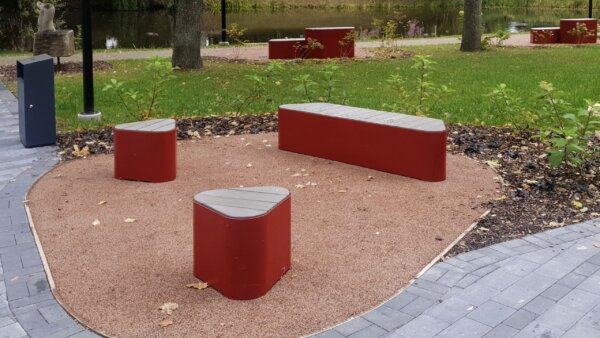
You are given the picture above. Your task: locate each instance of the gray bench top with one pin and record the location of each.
(151, 126)
(287, 39)
(370, 116)
(544, 28)
(245, 202)
(328, 28)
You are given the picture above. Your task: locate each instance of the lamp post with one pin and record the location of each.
(224, 23)
(88, 113)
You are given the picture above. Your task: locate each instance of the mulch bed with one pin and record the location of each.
(535, 197)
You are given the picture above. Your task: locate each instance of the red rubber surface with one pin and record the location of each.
(543, 36)
(145, 156)
(405, 152)
(242, 258)
(330, 39)
(568, 25)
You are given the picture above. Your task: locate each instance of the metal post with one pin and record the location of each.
(224, 22)
(88, 72)
(590, 10)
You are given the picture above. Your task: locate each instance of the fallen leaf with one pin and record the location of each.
(556, 224)
(168, 308)
(249, 165)
(198, 286)
(369, 178)
(129, 220)
(166, 323)
(83, 152)
(299, 186)
(296, 175)
(342, 190)
(597, 245)
(577, 204)
(493, 164)
(102, 203)
(96, 222)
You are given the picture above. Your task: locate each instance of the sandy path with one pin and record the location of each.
(259, 52)
(351, 250)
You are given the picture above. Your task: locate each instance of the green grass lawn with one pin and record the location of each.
(362, 83)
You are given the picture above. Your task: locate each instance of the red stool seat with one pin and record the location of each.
(401, 144)
(242, 239)
(146, 150)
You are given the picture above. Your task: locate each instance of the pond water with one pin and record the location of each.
(154, 28)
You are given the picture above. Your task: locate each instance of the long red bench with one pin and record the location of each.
(402, 144)
(286, 48)
(544, 35)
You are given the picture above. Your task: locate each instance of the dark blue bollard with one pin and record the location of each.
(37, 120)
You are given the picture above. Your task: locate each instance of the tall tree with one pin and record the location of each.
(471, 36)
(186, 35)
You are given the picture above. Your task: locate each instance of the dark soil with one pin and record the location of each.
(9, 73)
(535, 197)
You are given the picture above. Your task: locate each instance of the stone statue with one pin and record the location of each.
(46, 18)
(48, 40)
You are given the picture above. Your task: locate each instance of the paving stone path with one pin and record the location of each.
(544, 285)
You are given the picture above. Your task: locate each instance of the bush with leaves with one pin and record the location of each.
(257, 89)
(510, 108)
(142, 105)
(571, 129)
(322, 87)
(496, 40)
(424, 93)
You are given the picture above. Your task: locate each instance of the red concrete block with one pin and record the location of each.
(544, 35)
(146, 151)
(286, 48)
(396, 143)
(337, 42)
(242, 239)
(567, 25)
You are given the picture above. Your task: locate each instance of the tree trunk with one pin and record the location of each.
(186, 37)
(471, 36)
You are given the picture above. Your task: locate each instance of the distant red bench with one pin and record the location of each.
(563, 34)
(543, 35)
(401, 144)
(567, 25)
(318, 43)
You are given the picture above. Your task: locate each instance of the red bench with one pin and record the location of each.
(286, 48)
(568, 25)
(544, 35)
(146, 150)
(318, 43)
(338, 42)
(401, 144)
(242, 239)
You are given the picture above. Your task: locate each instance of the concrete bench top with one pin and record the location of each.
(242, 202)
(150, 126)
(580, 19)
(544, 28)
(328, 28)
(370, 116)
(287, 39)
